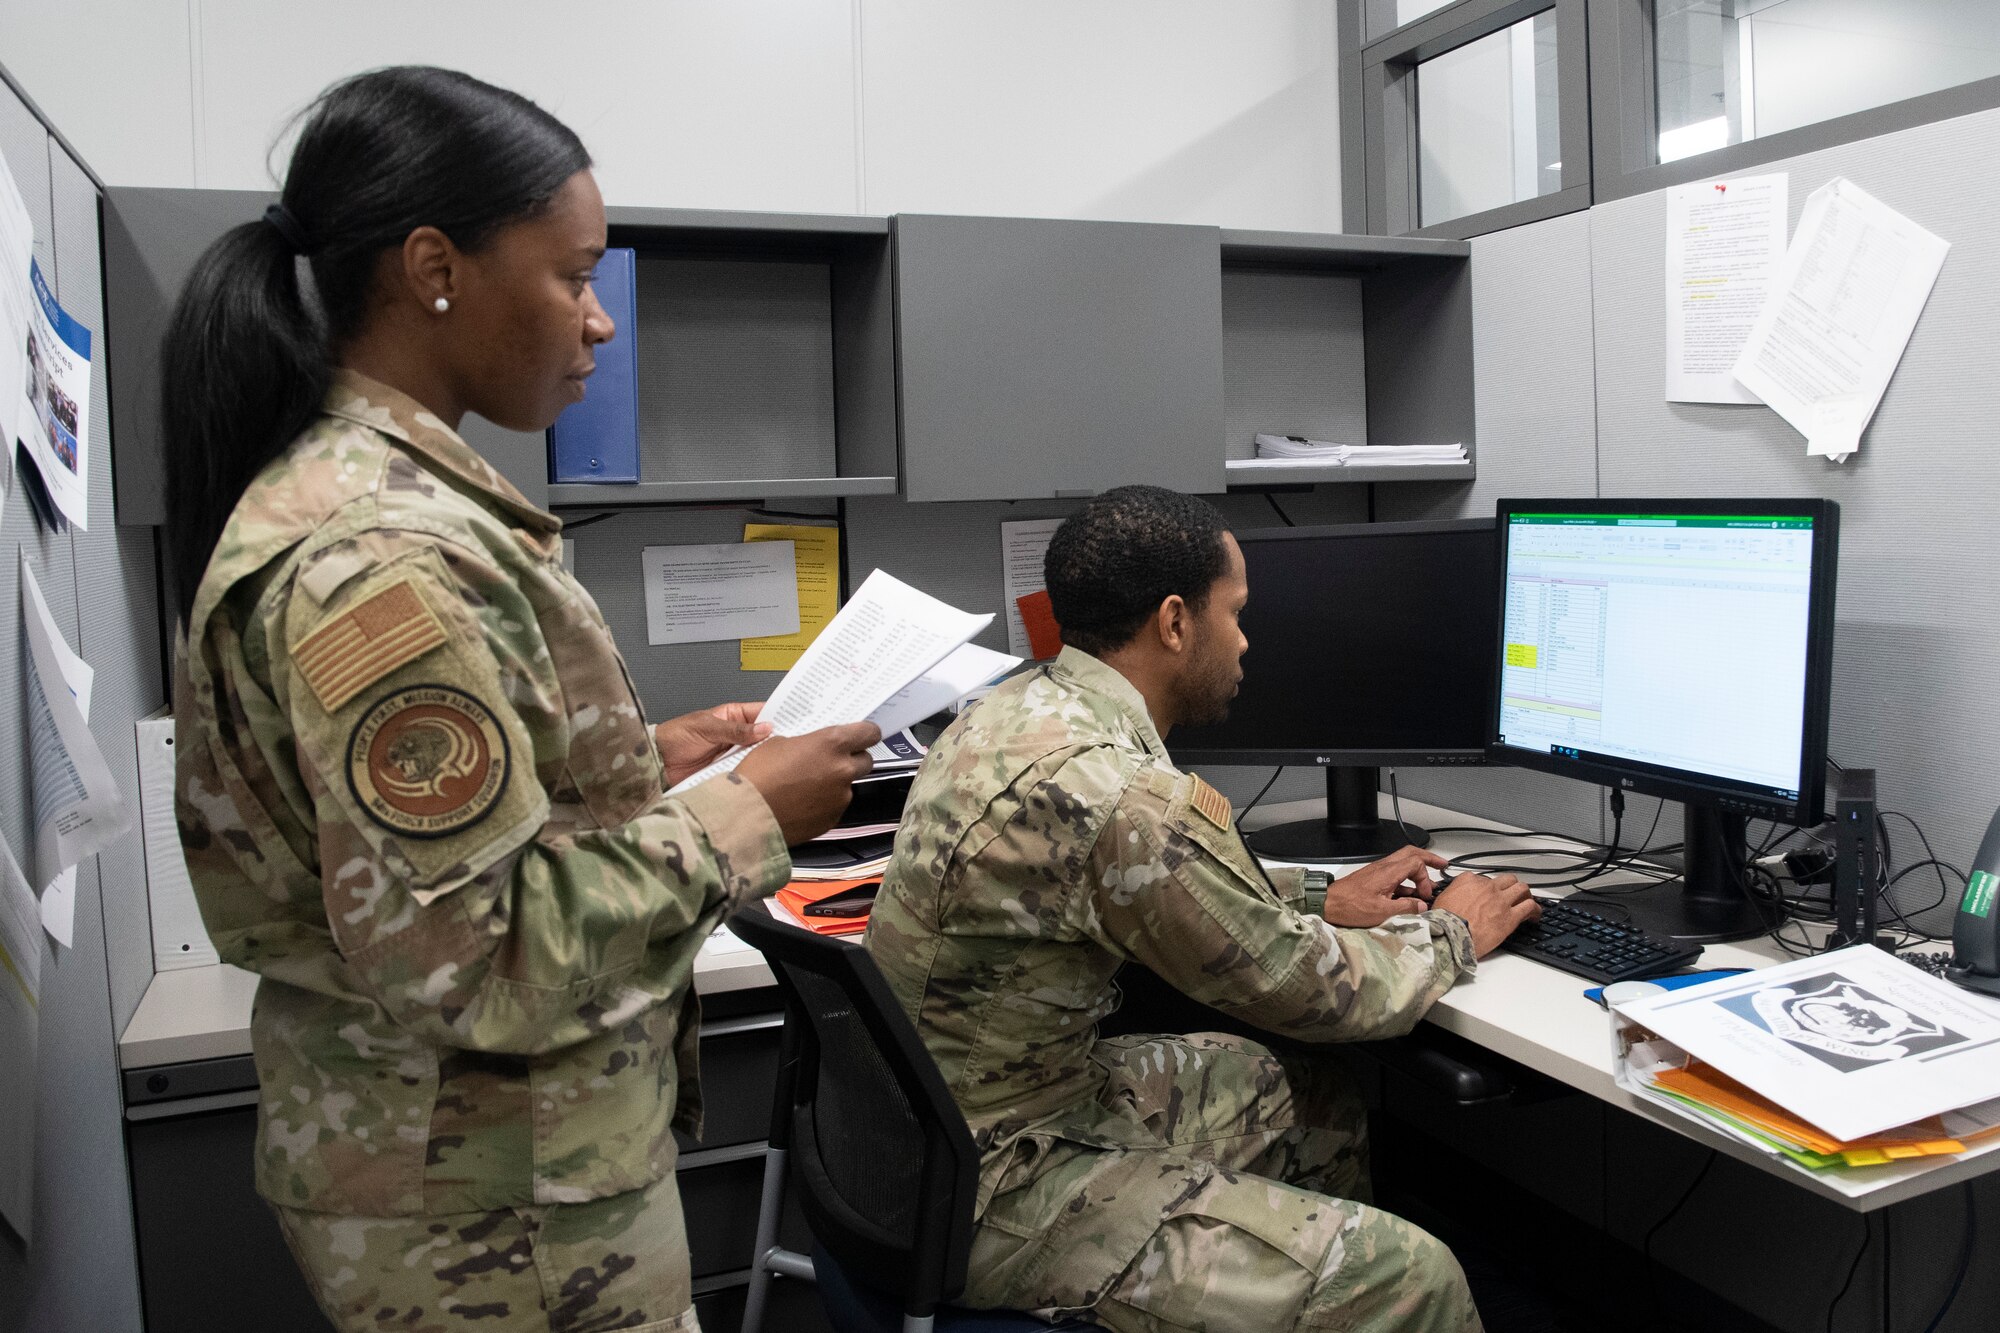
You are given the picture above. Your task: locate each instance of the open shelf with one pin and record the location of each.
(625, 495)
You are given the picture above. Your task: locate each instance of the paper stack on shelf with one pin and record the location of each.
(1281, 452)
(1843, 1060)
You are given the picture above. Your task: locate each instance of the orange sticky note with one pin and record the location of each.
(1038, 617)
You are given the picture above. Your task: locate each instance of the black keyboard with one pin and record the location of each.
(1597, 945)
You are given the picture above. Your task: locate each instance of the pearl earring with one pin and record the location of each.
(440, 305)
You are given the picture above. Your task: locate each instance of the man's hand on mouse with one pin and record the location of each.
(1397, 884)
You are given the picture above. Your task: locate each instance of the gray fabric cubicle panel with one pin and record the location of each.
(118, 628)
(1535, 399)
(25, 144)
(673, 678)
(81, 1270)
(1292, 358)
(1919, 608)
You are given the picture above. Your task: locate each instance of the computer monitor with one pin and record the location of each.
(1680, 649)
(1370, 644)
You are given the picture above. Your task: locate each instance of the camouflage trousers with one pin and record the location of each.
(613, 1263)
(1249, 1213)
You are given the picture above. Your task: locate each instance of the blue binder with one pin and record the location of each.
(598, 438)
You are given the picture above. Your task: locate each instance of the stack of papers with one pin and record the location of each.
(893, 656)
(1278, 452)
(1848, 1059)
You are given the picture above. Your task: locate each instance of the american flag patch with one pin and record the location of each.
(1214, 806)
(353, 651)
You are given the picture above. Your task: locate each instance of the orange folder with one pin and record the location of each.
(1706, 1084)
(1038, 617)
(802, 893)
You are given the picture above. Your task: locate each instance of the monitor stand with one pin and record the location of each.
(1351, 831)
(1709, 903)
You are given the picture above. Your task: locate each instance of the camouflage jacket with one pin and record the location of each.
(418, 795)
(1047, 839)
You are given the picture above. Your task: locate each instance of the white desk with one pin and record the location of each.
(1537, 1016)
(1529, 1013)
(203, 1013)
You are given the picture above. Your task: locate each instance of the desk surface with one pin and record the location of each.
(1538, 1016)
(1527, 1012)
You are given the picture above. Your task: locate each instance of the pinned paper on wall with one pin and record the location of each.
(816, 566)
(78, 809)
(54, 414)
(1725, 240)
(728, 590)
(1841, 311)
(1023, 545)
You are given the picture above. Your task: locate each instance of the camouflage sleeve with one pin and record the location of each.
(476, 914)
(1175, 888)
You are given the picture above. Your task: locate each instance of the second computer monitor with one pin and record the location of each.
(1370, 644)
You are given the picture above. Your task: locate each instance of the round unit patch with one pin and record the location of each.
(427, 761)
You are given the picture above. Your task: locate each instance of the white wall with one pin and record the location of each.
(1216, 111)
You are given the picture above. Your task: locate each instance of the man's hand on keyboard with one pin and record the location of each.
(1392, 886)
(1492, 905)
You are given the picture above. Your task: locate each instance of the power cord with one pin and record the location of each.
(1646, 1247)
(1867, 1234)
(1273, 501)
(1258, 797)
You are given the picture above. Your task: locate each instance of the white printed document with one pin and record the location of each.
(887, 636)
(54, 414)
(1023, 545)
(1725, 240)
(1841, 310)
(78, 808)
(733, 590)
(1854, 1042)
(20, 1029)
(968, 667)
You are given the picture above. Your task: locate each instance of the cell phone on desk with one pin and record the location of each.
(850, 902)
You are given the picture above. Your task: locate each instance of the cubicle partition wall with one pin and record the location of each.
(78, 1269)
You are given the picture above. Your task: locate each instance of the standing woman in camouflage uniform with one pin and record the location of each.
(416, 789)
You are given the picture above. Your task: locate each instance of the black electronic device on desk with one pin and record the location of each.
(1327, 684)
(1574, 938)
(1975, 932)
(1680, 649)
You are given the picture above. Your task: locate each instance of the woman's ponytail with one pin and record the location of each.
(243, 369)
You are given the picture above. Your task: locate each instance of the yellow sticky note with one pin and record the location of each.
(817, 557)
(1522, 654)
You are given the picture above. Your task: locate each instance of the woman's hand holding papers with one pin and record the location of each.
(693, 741)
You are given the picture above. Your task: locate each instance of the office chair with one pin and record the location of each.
(885, 1166)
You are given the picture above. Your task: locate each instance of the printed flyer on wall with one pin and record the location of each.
(55, 420)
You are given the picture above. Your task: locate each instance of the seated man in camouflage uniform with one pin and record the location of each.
(1159, 1182)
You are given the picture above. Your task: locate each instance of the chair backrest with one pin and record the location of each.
(886, 1169)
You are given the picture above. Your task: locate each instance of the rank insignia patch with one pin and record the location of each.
(357, 648)
(427, 761)
(1214, 806)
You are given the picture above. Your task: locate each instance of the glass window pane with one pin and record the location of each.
(1487, 122)
(1731, 70)
(1385, 16)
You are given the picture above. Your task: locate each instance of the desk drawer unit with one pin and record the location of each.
(211, 1257)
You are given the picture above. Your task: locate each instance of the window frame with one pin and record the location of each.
(1625, 123)
(1379, 115)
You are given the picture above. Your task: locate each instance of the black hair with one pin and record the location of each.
(247, 357)
(1113, 562)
